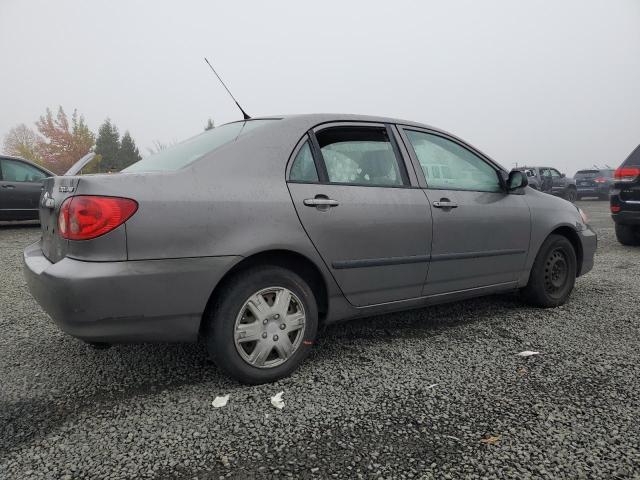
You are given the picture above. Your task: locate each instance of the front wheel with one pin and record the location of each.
(263, 325)
(628, 235)
(553, 274)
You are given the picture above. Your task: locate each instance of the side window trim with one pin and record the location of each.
(323, 175)
(294, 154)
(416, 162)
(322, 168)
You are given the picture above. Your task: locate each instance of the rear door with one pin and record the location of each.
(363, 211)
(20, 189)
(480, 233)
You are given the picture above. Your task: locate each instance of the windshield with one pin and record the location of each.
(184, 153)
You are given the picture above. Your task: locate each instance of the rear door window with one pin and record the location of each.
(361, 156)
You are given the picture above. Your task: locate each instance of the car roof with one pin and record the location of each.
(318, 118)
(307, 121)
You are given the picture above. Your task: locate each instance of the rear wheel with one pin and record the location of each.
(571, 194)
(628, 235)
(553, 274)
(263, 325)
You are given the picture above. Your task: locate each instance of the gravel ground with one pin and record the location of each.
(362, 406)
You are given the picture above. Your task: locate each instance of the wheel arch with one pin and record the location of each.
(294, 261)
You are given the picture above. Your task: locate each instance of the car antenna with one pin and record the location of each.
(246, 117)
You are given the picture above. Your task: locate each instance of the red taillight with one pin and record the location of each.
(615, 208)
(86, 216)
(627, 174)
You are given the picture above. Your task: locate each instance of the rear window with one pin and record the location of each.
(184, 153)
(634, 159)
(588, 173)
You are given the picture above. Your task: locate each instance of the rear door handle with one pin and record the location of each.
(320, 202)
(8, 186)
(445, 204)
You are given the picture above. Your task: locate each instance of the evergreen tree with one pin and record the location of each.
(129, 153)
(210, 125)
(108, 147)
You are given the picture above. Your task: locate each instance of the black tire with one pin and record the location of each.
(571, 194)
(628, 235)
(221, 323)
(549, 285)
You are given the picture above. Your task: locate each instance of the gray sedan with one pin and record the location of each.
(253, 234)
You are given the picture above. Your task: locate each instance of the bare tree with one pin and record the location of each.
(21, 141)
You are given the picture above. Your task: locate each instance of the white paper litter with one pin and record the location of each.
(527, 353)
(219, 402)
(277, 401)
(431, 386)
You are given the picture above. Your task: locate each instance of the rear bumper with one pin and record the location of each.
(595, 191)
(626, 217)
(125, 302)
(589, 241)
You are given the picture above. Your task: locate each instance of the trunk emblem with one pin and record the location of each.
(66, 189)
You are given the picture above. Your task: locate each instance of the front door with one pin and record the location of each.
(20, 189)
(350, 187)
(480, 232)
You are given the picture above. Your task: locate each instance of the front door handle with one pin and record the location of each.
(8, 186)
(321, 202)
(444, 203)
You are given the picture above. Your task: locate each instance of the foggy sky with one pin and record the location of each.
(535, 82)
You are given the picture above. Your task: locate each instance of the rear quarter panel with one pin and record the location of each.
(232, 202)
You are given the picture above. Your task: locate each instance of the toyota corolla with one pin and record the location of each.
(253, 234)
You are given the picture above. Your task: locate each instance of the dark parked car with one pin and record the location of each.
(594, 183)
(625, 200)
(20, 188)
(253, 234)
(550, 180)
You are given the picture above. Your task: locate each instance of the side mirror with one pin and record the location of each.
(516, 180)
(562, 175)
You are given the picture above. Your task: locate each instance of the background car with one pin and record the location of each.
(625, 200)
(594, 183)
(254, 233)
(20, 188)
(550, 180)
